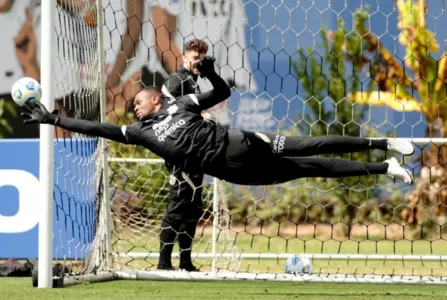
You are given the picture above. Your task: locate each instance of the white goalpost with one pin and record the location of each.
(302, 68)
(46, 149)
(71, 165)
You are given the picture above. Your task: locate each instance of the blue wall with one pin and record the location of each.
(74, 194)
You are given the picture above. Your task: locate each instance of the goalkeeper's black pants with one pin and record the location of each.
(253, 158)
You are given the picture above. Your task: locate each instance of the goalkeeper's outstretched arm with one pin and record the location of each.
(108, 131)
(35, 112)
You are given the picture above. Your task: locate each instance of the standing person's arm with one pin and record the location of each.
(220, 91)
(172, 87)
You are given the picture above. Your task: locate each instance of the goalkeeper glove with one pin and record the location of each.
(206, 66)
(36, 112)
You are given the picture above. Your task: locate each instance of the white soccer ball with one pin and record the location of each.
(26, 89)
(299, 264)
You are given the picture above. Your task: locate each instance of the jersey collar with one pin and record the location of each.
(162, 112)
(182, 70)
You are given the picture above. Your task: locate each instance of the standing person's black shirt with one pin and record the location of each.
(180, 83)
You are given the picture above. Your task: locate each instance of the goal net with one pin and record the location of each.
(310, 68)
(78, 180)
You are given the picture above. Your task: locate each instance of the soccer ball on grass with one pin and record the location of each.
(26, 89)
(299, 264)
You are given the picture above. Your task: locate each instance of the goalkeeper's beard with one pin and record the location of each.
(143, 118)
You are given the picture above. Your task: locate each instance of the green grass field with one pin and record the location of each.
(258, 243)
(20, 288)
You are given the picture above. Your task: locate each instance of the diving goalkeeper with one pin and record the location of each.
(178, 133)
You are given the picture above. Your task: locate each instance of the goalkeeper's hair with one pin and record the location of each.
(197, 45)
(151, 90)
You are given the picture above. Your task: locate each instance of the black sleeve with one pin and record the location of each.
(132, 133)
(219, 93)
(172, 87)
(108, 131)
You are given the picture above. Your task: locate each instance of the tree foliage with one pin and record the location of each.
(327, 81)
(6, 110)
(417, 83)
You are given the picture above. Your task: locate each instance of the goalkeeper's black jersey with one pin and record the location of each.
(179, 134)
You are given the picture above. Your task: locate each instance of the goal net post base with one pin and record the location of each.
(159, 275)
(102, 276)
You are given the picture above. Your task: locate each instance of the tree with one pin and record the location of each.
(327, 80)
(416, 83)
(6, 108)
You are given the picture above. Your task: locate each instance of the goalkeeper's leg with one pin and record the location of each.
(307, 146)
(282, 169)
(255, 159)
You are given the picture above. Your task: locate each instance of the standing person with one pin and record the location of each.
(149, 50)
(185, 205)
(222, 25)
